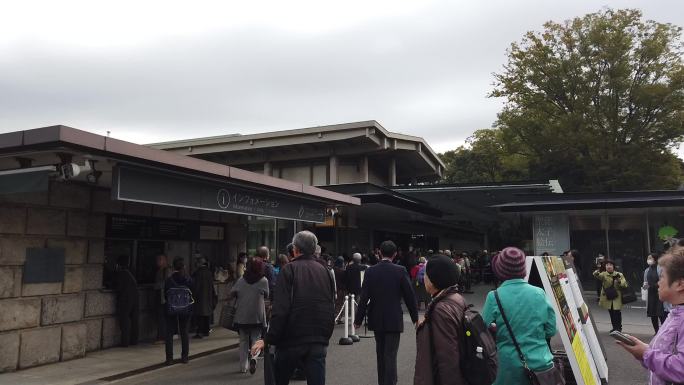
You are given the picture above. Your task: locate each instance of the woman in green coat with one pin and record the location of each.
(612, 279)
(530, 315)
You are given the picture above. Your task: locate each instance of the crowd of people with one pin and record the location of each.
(290, 302)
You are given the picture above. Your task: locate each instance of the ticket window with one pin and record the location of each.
(142, 256)
(113, 250)
(146, 261)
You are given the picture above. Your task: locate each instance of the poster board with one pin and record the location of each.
(550, 274)
(588, 325)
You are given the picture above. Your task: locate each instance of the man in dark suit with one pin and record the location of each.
(384, 285)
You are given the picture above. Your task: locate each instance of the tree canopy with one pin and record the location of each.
(596, 102)
(484, 158)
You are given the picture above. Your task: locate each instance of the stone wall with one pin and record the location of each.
(49, 322)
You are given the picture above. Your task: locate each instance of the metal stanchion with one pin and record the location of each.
(353, 335)
(346, 340)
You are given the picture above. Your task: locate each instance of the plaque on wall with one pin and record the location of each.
(43, 265)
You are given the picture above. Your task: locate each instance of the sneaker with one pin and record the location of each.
(252, 365)
(185, 360)
(168, 362)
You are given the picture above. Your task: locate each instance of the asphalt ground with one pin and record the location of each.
(355, 364)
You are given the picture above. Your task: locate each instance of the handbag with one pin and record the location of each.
(551, 376)
(644, 294)
(628, 295)
(228, 315)
(610, 291)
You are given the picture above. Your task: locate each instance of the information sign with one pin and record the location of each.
(550, 273)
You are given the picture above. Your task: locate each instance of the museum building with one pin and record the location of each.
(72, 202)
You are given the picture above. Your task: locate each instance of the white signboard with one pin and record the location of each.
(551, 273)
(551, 234)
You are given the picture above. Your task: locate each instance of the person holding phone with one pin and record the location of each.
(664, 356)
(611, 295)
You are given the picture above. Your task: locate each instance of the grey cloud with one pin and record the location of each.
(425, 74)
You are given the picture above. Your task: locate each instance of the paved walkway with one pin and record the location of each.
(108, 365)
(129, 365)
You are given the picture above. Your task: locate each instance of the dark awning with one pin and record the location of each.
(589, 201)
(371, 193)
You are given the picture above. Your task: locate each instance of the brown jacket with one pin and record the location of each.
(445, 316)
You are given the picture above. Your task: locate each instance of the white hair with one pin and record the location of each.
(306, 242)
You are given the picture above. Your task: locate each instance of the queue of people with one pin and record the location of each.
(306, 285)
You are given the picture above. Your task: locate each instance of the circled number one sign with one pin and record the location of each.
(223, 198)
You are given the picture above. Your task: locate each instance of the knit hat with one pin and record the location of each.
(442, 271)
(509, 263)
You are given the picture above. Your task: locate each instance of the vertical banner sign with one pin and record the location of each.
(569, 321)
(551, 234)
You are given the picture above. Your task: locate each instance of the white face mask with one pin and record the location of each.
(650, 262)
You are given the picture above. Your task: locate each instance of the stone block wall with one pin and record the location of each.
(42, 323)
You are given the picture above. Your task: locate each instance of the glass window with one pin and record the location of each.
(588, 236)
(285, 234)
(261, 232)
(627, 245)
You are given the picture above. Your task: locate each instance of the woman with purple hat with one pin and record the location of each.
(530, 316)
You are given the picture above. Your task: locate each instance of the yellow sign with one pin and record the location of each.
(583, 361)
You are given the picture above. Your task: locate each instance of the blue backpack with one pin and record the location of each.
(179, 300)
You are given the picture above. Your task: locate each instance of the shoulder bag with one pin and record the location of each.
(628, 294)
(551, 376)
(228, 314)
(611, 291)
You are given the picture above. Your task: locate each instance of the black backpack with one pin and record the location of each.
(478, 368)
(179, 300)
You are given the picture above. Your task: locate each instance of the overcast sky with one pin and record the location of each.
(152, 71)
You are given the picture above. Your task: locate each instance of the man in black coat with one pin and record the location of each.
(353, 275)
(384, 285)
(204, 295)
(303, 315)
(127, 307)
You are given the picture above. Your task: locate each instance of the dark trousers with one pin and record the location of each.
(128, 322)
(386, 348)
(202, 325)
(657, 321)
(161, 321)
(310, 357)
(183, 324)
(616, 319)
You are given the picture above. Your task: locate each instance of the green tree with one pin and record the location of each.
(597, 102)
(484, 158)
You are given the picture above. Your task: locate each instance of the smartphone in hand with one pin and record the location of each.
(622, 337)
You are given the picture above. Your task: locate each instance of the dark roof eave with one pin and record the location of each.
(67, 136)
(588, 205)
